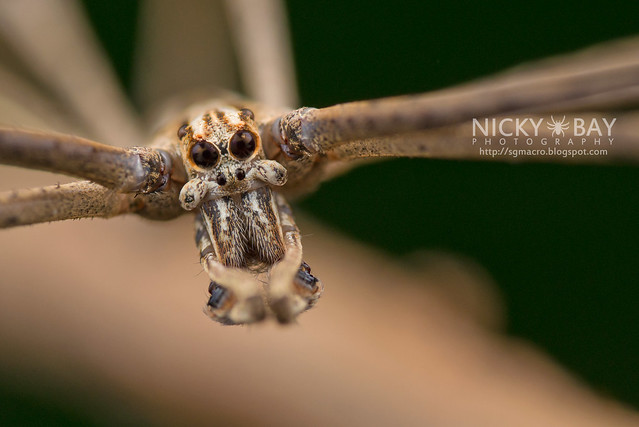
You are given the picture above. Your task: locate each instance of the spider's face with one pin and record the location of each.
(222, 155)
(220, 146)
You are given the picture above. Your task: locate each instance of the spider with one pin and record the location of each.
(558, 127)
(233, 162)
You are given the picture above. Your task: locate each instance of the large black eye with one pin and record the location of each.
(204, 154)
(242, 144)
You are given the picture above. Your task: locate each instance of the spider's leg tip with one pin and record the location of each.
(224, 307)
(283, 309)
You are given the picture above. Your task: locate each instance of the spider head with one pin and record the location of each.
(223, 155)
(220, 146)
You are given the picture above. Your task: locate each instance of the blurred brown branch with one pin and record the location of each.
(383, 347)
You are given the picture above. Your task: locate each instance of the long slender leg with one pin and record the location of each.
(52, 34)
(25, 105)
(549, 88)
(315, 144)
(458, 142)
(292, 288)
(455, 142)
(260, 33)
(84, 200)
(235, 294)
(319, 130)
(138, 169)
(68, 201)
(172, 61)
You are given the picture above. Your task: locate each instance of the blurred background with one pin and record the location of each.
(560, 242)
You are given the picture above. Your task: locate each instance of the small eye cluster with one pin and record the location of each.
(206, 155)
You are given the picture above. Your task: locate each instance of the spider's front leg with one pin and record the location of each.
(235, 296)
(292, 288)
(601, 82)
(118, 175)
(126, 170)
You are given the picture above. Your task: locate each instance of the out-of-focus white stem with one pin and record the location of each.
(260, 32)
(183, 48)
(56, 43)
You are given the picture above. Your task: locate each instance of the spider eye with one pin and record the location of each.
(204, 154)
(247, 114)
(242, 145)
(181, 133)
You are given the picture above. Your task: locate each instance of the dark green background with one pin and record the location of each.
(562, 242)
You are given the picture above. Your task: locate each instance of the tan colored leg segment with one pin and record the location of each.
(292, 289)
(60, 202)
(136, 170)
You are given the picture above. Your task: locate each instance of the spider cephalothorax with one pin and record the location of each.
(242, 224)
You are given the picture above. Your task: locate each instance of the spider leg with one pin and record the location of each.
(234, 294)
(48, 36)
(299, 138)
(83, 199)
(160, 72)
(292, 288)
(138, 169)
(457, 142)
(69, 201)
(309, 131)
(23, 103)
(260, 34)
